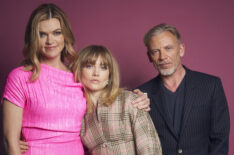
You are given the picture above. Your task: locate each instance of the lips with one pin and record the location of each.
(94, 81)
(50, 47)
(164, 65)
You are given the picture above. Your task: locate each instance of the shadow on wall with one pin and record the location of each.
(4, 73)
(2, 150)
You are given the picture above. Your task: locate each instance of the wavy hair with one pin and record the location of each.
(31, 53)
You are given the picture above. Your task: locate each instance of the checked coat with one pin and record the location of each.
(120, 129)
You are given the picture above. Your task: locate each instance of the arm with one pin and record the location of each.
(220, 122)
(12, 122)
(145, 134)
(142, 101)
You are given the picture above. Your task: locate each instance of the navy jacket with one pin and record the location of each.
(205, 122)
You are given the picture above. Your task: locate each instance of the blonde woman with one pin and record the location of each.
(41, 99)
(42, 103)
(111, 124)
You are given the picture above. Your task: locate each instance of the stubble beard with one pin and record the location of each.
(167, 72)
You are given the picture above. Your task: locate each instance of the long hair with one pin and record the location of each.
(31, 53)
(89, 55)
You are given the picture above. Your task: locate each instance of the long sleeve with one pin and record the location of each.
(220, 122)
(120, 129)
(145, 134)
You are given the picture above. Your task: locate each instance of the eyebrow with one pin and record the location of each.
(59, 29)
(155, 49)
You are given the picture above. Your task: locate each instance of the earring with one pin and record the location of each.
(107, 82)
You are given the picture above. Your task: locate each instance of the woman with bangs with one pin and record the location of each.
(42, 103)
(111, 124)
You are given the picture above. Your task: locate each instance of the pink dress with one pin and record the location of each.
(53, 108)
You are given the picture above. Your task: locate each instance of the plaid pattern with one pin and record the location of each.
(120, 129)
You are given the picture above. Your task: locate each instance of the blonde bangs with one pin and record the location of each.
(91, 58)
(89, 55)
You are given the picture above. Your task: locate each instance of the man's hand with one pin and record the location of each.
(142, 101)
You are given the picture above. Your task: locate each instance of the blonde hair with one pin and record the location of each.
(31, 39)
(89, 55)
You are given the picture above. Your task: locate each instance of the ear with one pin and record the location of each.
(182, 49)
(149, 56)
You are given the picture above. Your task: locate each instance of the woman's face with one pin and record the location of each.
(51, 40)
(95, 76)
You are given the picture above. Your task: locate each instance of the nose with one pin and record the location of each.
(95, 71)
(49, 39)
(162, 55)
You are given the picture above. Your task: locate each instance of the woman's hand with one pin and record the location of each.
(23, 146)
(142, 101)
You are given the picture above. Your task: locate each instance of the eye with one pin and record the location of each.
(42, 34)
(103, 67)
(89, 66)
(168, 47)
(57, 33)
(153, 52)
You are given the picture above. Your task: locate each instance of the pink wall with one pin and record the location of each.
(207, 29)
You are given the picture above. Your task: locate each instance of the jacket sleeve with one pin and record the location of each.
(145, 134)
(220, 122)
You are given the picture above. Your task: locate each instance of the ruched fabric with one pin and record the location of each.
(53, 108)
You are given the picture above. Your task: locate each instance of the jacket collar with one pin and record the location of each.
(189, 100)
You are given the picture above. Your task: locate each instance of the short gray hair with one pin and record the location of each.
(158, 29)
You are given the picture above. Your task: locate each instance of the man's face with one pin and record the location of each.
(165, 52)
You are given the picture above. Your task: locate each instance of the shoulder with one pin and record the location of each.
(147, 86)
(202, 77)
(18, 75)
(205, 84)
(125, 100)
(126, 96)
(18, 72)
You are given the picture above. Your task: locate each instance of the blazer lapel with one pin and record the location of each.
(189, 98)
(159, 102)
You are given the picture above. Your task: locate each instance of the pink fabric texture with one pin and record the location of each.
(54, 106)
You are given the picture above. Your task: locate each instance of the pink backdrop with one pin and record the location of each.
(207, 29)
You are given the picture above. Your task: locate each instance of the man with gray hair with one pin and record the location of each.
(188, 108)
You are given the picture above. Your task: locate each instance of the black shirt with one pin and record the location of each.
(175, 103)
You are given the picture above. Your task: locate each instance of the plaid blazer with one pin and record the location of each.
(120, 129)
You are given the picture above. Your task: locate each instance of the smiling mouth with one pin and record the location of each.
(51, 47)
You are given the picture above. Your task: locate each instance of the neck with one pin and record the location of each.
(95, 96)
(56, 64)
(173, 81)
